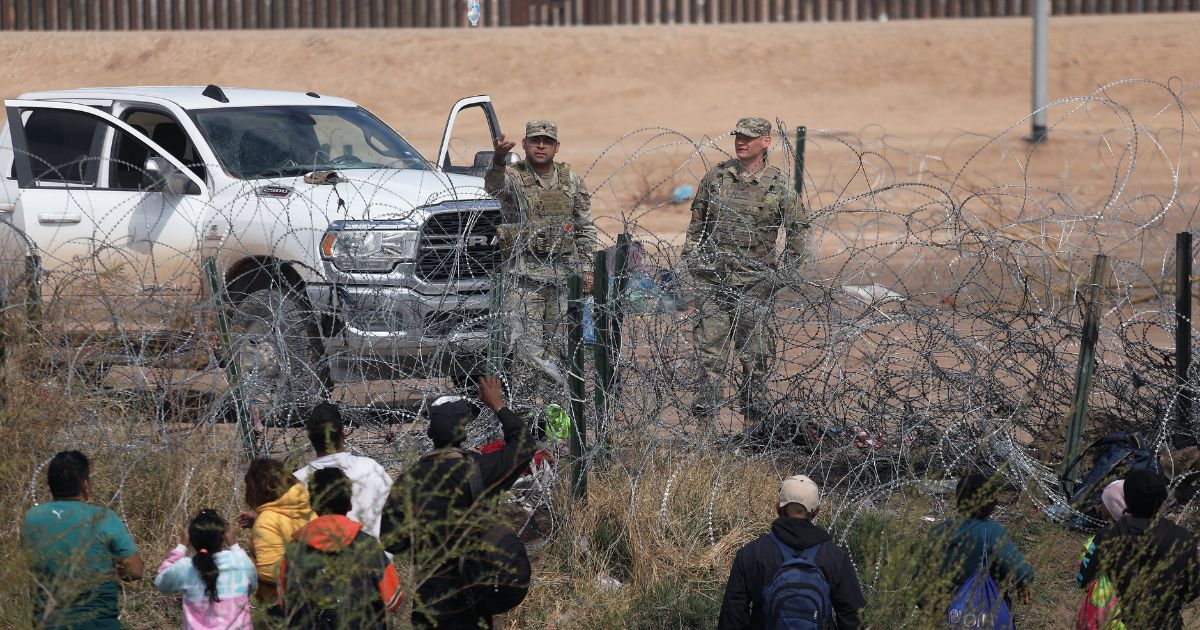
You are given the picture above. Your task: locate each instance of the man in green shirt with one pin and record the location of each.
(76, 552)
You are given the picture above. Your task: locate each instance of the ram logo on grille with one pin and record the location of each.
(482, 241)
(459, 246)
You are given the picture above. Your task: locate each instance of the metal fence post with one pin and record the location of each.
(575, 385)
(617, 301)
(801, 136)
(233, 371)
(1183, 435)
(495, 356)
(1083, 373)
(602, 350)
(33, 290)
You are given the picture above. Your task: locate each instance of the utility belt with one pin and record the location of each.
(544, 240)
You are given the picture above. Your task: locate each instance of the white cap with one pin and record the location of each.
(801, 490)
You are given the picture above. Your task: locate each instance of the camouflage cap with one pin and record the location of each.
(535, 128)
(752, 126)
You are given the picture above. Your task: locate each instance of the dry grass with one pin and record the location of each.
(649, 548)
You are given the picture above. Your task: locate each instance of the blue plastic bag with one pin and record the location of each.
(589, 320)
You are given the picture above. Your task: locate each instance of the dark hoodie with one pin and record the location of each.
(334, 575)
(432, 519)
(757, 563)
(1154, 565)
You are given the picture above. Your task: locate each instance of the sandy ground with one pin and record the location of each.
(908, 80)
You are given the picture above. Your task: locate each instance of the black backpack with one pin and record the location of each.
(1113, 457)
(498, 573)
(333, 591)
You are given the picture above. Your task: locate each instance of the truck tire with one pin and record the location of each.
(278, 352)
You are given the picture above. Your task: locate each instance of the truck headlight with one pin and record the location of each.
(369, 246)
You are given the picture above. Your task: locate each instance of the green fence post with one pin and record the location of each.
(618, 301)
(1181, 433)
(495, 357)
(1083, 373)
(575, 385)
(33, 290)
(233, 370)
(602, 350)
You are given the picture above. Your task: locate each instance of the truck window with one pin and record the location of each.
(470, 149)
(127, 166)
(128, 157)
(166, 133)
(64, 147)
(255, 142)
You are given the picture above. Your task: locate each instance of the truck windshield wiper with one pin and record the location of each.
(283, 171)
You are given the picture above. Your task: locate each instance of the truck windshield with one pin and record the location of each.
(256, 142)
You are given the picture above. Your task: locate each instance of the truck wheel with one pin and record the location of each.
(278, 353)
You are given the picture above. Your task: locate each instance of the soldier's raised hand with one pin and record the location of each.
(502, 147)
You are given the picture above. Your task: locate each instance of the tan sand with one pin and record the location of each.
(909, 80)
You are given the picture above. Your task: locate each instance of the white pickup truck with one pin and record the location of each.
(344, 254)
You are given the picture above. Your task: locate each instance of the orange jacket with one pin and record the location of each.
(334, 545)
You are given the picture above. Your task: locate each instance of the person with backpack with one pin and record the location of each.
(334, 575)
(979, 560)
(1099, 610)
(794, 576)
(1152, 562)
(441, 518)
(216, 582)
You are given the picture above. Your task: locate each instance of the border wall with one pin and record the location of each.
(170, 15)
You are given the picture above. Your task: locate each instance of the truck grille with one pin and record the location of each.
(442, 323)
(459, 245)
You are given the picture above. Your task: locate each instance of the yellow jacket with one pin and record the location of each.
(277, 522)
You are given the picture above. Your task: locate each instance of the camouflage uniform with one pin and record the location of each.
(731, 252)
(547, 235)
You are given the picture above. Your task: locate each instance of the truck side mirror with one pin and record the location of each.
(159, 175)
(483, 159)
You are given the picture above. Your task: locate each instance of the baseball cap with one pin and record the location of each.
(541, 127)
(802, 490)
(752, 126)
(448, 417)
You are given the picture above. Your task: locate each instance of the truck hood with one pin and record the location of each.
(376, 194)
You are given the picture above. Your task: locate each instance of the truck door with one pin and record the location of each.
(467, 141)
(94, 214)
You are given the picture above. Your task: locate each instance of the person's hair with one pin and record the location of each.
(325, 428)
(66, 473)
(794, 510)
(976, 496)
(206, 533)
(266, 480)
(330, 492)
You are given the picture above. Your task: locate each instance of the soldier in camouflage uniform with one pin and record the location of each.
(547, 235)
(740, 206)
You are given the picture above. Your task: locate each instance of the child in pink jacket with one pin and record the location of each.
(216, 582)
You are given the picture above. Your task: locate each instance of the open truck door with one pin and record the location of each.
(468, 140)
(102, 221)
